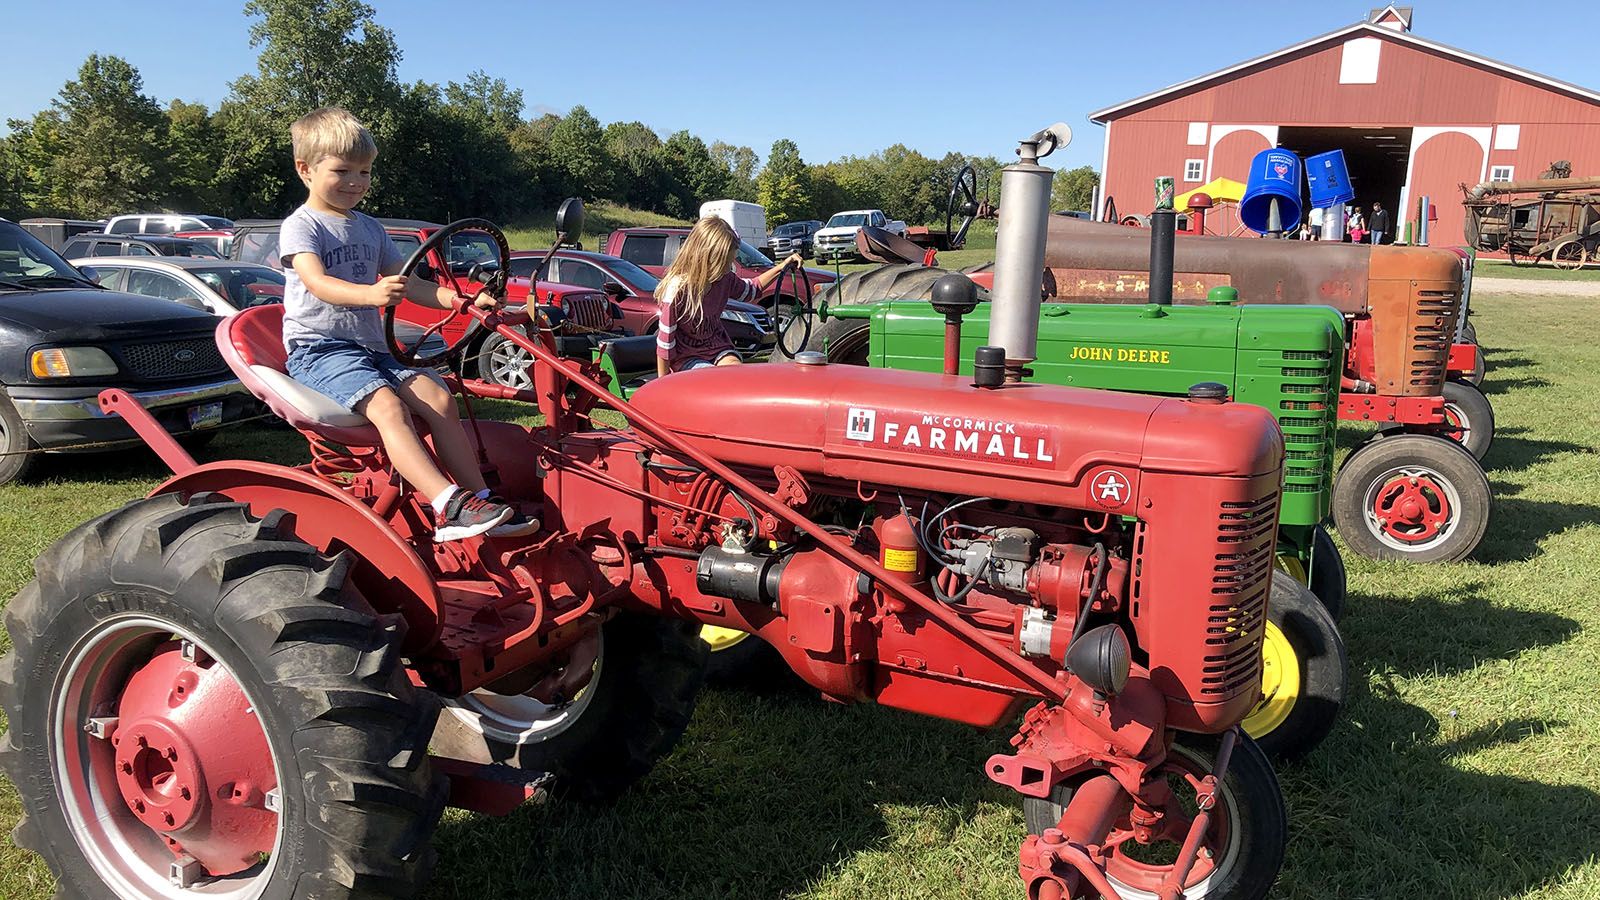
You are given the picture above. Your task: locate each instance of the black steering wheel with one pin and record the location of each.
(806, 311)
(963, 200)
(491, 281)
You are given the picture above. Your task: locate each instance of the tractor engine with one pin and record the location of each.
(1067, 496)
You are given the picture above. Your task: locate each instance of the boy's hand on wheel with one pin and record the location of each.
(486, 300)
(387, 291)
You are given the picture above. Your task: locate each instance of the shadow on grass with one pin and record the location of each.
(1520, 527)
(1443, 635)
(1388, 809)
(764, 797)
(1495, 386)
(1498, 361)
(1513, 450)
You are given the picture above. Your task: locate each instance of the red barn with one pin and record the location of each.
(1414, 118)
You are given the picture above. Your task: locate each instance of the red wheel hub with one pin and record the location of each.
(1411, 508)
(1455, 430)
(192, 761)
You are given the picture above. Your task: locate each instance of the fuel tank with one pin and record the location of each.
(1027, 442)
(1099, 262)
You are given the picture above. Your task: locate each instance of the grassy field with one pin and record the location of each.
(1464, 766)
(1499, 268)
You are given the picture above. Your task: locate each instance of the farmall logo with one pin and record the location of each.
(1110, 489)
(953, 436)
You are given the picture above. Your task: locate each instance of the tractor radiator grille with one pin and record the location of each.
(174, 359)
(1247, 535)
(1307, 413)
(1433, 318)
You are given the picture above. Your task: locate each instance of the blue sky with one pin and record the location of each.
(951, 76)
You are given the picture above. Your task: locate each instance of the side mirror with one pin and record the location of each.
(194, 303)
(90, 273)
(569, 218)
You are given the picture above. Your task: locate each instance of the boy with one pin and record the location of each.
(340, 267)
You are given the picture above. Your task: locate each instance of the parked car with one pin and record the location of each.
(653, 249)
(793, 237)
(256, 240)
(63, 339)
(164, 223)
(633, 291)
(55, 232)
(219, 287)
(837, 239)
(219, 239)
(135, 245)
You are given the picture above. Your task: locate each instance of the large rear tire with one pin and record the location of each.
(200, 707)
(1247, 839)
(633, 711)
(1414, 497)
(1304, 675)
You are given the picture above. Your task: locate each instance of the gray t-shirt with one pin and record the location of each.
(356, 250)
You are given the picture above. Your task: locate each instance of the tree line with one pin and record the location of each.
(105, 147)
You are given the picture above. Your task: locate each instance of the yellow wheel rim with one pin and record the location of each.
(721, 638)
(1294, 567)
(1280, 684)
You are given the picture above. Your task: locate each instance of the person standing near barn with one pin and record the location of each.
(1357, 226)
(1379, 222)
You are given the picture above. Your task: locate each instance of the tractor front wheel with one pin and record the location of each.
(1414, 497)
(1303, 674)
(647, 673)
(1242, 850)
(200, 708)
(1469, 417)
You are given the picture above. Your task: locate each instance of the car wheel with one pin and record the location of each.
(16, 448)
(504, 363)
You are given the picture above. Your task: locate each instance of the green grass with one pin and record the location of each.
(538, 231)
(1464, 766)
(1499, 268)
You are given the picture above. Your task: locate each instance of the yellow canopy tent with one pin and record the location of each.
(1220, 189)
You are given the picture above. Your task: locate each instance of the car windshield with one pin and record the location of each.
(194, 249)
(842, 220)
(407, 244)
(787, 230)
(636, 277)
(752, 258)
(216, 221)
(243, 286)
(26, 262)
(469, 247)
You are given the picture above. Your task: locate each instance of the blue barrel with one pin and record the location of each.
(1329, 180)
(1273, 174)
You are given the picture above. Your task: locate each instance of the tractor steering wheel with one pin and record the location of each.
(805, 311)
(963, 200)
(492, 282)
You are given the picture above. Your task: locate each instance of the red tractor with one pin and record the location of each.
(232, 688)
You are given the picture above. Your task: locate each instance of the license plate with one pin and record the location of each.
(206, 415)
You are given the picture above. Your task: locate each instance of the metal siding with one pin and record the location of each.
(1140, 151)
(1231, 156)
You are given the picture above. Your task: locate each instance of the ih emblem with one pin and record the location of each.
(1110, 489)
(861, 424)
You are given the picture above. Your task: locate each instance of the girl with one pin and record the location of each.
(1357, 226)
(695, 290)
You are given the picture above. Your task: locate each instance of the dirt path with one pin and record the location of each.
(1539, 288)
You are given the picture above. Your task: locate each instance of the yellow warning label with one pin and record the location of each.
(899, 560)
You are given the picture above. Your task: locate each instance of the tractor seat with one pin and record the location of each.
(252, 343)
(631, 354)
(883, 246)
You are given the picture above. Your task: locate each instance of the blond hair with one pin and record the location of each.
(707, 254)
(331, 131)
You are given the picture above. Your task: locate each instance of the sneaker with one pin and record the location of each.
(464, 516)
(518, 525)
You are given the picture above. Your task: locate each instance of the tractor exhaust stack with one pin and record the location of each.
(1019, 249)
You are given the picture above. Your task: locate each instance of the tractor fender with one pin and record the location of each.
(387, 571)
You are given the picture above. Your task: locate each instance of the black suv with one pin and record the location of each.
(63, 339)
(793, 237)
(135, 245)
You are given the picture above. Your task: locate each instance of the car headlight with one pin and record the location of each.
(71, 362)
(736, 316)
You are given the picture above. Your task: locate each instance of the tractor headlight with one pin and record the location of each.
(71, 362)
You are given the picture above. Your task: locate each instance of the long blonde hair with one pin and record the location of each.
(707, 254)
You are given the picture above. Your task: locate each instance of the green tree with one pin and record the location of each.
(107, 143)
(639, 170)
(1074, 188)
(577, 152)
(30, 153)
(193, 157)
(741, 163)
(696, 177)
(784, 186)
(489, 100)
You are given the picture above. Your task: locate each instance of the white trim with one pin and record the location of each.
(1506, 137)
(1218, 132)
(1200, 171)
(1359, 59)
(1105, 175)
(1424, 133)
(1391, 8)
(1099, 116)
(1197, 133)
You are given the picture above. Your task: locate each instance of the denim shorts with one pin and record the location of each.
(348, 372)
(708, 363)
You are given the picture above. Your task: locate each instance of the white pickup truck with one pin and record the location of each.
(838, 237)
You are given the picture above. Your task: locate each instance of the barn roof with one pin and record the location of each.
(1359, 29)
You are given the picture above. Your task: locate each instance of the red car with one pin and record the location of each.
(653, 249)
(632, 289)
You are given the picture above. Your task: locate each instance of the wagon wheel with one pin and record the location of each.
(1518, 257)
(1570, 255)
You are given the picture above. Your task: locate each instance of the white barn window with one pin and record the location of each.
(1193, 169)
(1501, 173)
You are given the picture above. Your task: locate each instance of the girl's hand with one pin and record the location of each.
(795, 261)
